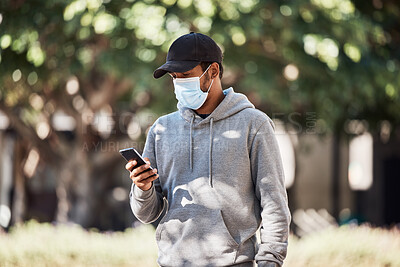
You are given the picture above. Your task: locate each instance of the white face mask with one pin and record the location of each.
(188, 92)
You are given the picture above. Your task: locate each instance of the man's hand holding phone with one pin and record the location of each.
(142, 176)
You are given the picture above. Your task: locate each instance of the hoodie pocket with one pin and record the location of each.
(196, 235)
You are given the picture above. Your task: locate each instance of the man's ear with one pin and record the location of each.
(214, 68)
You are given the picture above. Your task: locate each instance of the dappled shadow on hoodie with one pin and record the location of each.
(195, 235)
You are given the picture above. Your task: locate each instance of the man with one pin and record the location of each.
(218, 171)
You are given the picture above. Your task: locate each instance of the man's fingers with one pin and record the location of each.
(140, 169)
(129, 166)
(143, 176)
(146, 181)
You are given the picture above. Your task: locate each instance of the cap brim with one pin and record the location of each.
(175, 66)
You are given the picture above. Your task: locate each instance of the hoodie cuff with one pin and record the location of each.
(267, 264)
(139, 194)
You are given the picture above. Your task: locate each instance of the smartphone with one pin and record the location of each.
(131, 153)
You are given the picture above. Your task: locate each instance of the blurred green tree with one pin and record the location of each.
(321, 62)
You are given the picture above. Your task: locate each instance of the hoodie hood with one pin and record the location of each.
(230, 105)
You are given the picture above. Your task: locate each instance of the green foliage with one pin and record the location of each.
(346, 60)
(346, 246)
(35, 244)
(334, 59)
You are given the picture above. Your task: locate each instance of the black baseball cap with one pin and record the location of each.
(187, 52)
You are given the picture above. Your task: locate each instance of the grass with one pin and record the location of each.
(34, 244)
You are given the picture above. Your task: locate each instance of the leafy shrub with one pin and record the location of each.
(346, 246)
(34, 244)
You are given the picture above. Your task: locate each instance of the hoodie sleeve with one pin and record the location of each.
(268, 177)
(148, 205)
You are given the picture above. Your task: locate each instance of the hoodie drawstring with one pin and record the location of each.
(210, 153)
(191, 144)
(210, 149)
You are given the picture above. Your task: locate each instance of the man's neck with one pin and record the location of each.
(212, 102)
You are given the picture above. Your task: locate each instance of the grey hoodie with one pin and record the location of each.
(220, 179)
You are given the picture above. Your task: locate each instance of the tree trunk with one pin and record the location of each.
(84, 194)
(74, 193)
(62, 191)
(336, 174)
(19, 198)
